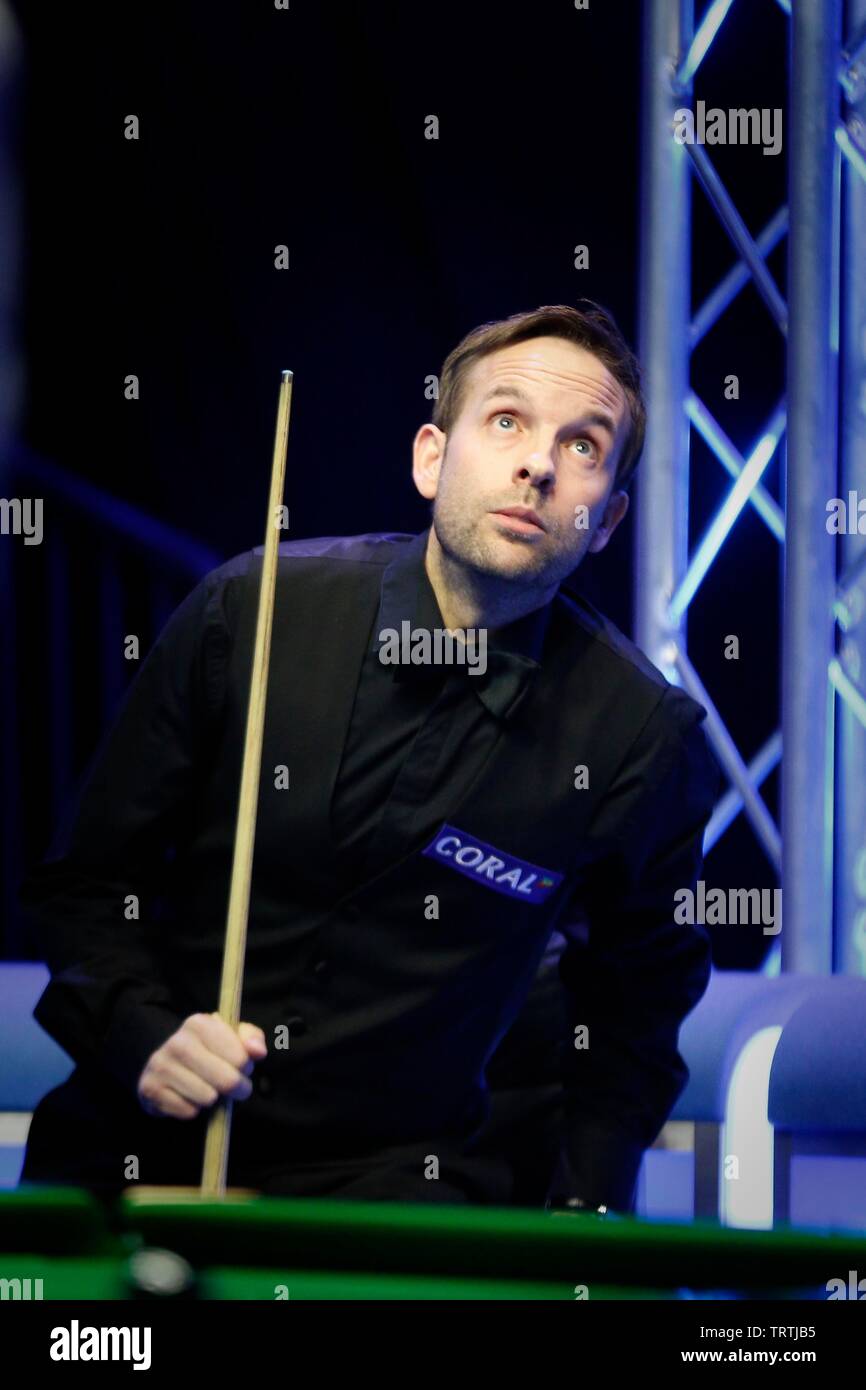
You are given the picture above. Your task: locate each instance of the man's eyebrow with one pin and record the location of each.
(516, 393)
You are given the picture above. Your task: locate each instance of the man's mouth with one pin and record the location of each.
(521, 519)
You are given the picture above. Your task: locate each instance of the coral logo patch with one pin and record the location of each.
(494, 868)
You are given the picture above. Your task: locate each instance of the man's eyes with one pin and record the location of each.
(578, 439)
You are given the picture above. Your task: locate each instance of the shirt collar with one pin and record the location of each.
(514, 651)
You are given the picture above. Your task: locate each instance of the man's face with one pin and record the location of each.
(541, 427)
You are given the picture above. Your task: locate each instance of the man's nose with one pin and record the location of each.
(538, 464)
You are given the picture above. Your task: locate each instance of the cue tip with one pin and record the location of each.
(286, 376)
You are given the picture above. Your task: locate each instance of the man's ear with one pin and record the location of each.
(617, 506)
(428, 451)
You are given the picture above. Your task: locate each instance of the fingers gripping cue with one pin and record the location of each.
(216, 1149)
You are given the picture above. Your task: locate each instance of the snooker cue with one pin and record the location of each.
(216, 1149)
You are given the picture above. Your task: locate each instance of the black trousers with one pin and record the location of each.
(398, 1175)
(85, 1132)
(76, 1140)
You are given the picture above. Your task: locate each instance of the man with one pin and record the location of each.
(426, 833)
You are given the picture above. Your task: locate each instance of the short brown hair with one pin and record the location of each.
(591, 327)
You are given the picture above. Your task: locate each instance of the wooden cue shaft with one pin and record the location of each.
(216, 1149)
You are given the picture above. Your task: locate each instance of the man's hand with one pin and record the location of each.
(205, 1060)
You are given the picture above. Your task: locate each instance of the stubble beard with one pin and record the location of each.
(464, 548)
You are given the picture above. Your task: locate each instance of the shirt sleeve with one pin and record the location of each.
(107, 1001)
(631, 972)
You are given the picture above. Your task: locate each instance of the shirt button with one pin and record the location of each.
(296, 1025)
(321, 967)
(353, 912)
(265, 1085)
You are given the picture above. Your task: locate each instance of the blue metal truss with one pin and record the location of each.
(823, 807)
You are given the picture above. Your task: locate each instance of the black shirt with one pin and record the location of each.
(446, 716)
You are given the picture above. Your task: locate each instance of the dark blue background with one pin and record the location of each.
(306, 127)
